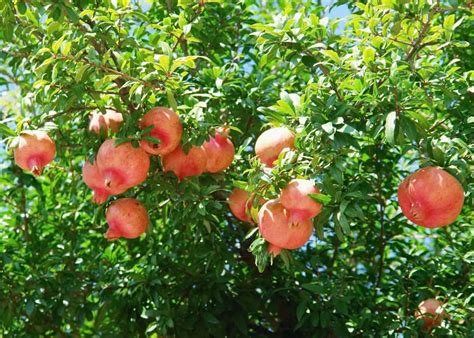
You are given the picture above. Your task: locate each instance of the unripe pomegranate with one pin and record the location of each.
(220, 151)
(295, 199)
(126, 218)
(122, 165)
(275, 227)
(110, 120)
(166, 127)
(240, 203)
(271, 142)
(431, 197)
(94, 179)
(183, 165)
(35, 150)
(432, 313)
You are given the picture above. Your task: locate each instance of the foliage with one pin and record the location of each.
(372, 98)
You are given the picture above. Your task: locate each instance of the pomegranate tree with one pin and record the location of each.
(184, 165)
(166, 127)
(126, 218)
(219, 151)
(431, 197)
(294, 197)
(271, 142)
(35, 150)
(275, 227)
(432, 312)
(123, 165)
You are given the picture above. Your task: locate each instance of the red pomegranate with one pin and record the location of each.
(126, 218)
(94, 179)
(240, 203)
(220, 151)
(110, 120)
(431, 197)
(432, 313)
(183, 165)
(274, 250)
(295, 199)
(166, 127)
(271, 142)
(275, 227)
(122, 165)
(35, 150)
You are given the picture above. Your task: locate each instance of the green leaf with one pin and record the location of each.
(332, 55)
(171, 100)
(66, 47)
(6, 131)
(369, 55)
(390, 124)
(57, 44)
(321, 198)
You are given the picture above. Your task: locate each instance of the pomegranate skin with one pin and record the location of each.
(94, 179)
(271, 142)
(126, 218)
(167, 128)
(275, 227)
(123, 166)
(294, 197)
(220, 152)
(432, 313)
(240, 203)
(110, 120)
(431, 197)
(35, 150)
(185, 165)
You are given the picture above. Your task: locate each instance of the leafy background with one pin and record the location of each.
(372, 97)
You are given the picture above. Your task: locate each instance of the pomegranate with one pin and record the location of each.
(126, 218)
(220, 151)
(271, 142)
(275, 227)
(122, 166)
(432, 313)
(110, 120)
(184, 165)
(166, 127)
(431, 197)
(94, 179)
(296, 200)
(240, 203)
(274, 250)
(35, 150)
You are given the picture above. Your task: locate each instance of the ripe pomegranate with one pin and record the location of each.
(166, 127)
(295, 199)
(431, 197)
(220, 151)
(275, 227)
(126, 218)
(122, 166)
(240, 203)
(94, 179)
(184, 165)
(432, 313)
(274, 250)
(110, 120)
(35, 150)
(271, 142)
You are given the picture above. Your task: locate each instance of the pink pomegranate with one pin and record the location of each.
(240, 204)
(295, 199)
(271, 142)
(123, 165)
(166, 127)
(184, 165)
(220, 151)
(35, 150)
(431, 197)
(110, 120)
(126, 218)
(275, 227)
(94, 179)
(432, 313)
